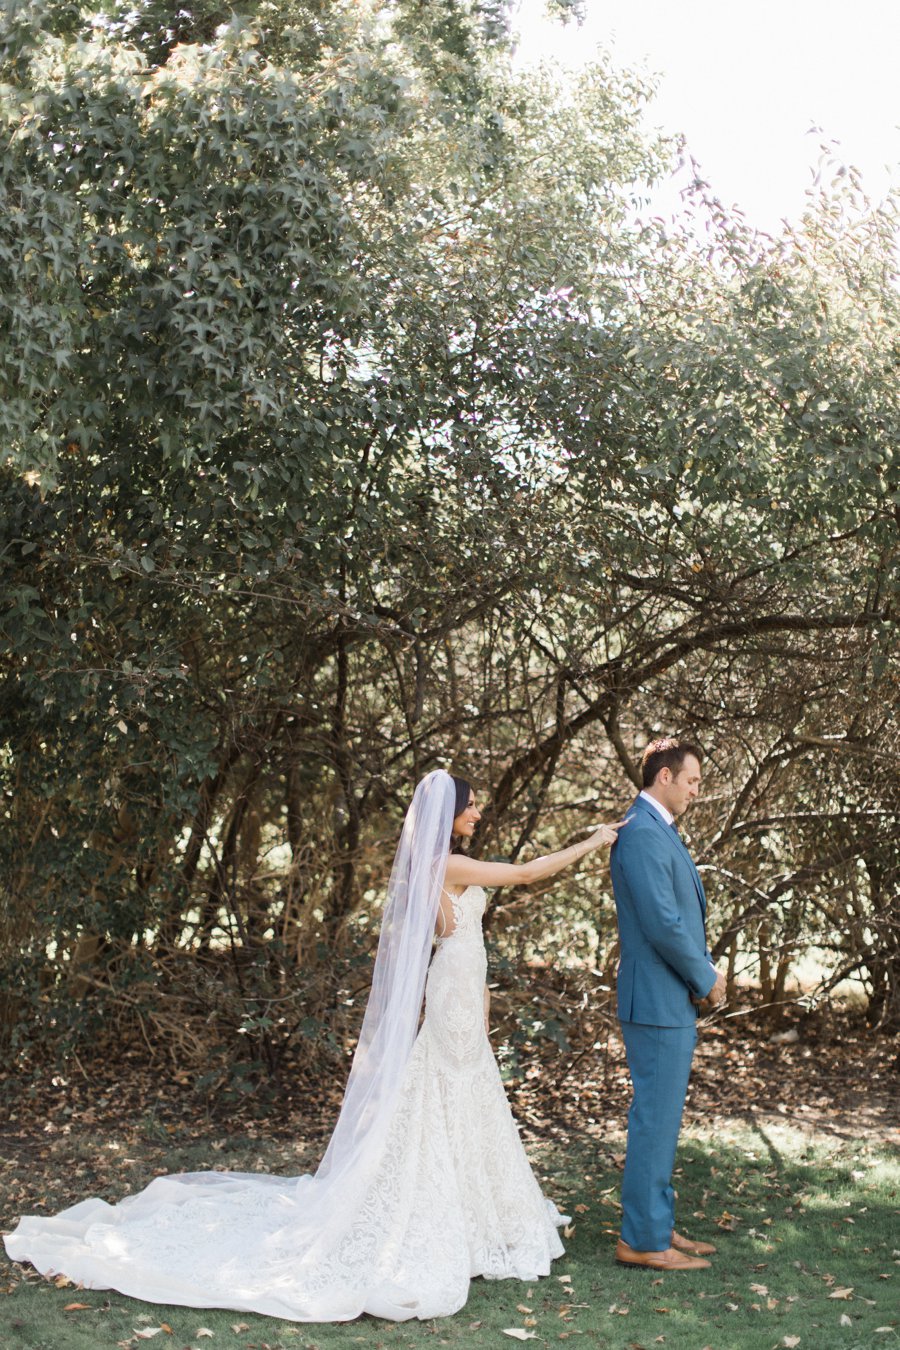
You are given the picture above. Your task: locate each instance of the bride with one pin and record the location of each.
(424, 1183)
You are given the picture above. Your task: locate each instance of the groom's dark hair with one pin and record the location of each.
(667, 752)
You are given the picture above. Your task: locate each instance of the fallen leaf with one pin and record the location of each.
(791, 1341)
(203, 1331)
(846, 1321)
(76, 1307)
(759, 1289)
(147, 1333)
(520, 1334)
(842, 1293)
(238, 1327)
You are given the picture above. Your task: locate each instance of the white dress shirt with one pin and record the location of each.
(658, 806)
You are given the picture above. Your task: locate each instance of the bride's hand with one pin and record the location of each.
(606, 834)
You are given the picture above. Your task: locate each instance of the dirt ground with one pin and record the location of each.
(826, 1070)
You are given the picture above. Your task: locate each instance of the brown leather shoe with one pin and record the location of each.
(670, 1259)
(683, 1244)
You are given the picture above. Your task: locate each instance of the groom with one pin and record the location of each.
(665, 972)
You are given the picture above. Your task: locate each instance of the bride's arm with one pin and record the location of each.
(463, 871)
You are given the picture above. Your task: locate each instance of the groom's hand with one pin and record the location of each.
(716, 995)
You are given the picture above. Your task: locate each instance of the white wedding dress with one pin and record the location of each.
(453, 1196)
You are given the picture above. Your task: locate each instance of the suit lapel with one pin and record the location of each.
(696, 875)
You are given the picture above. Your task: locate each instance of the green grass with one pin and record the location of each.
(796, 1218)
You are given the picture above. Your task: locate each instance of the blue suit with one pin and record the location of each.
(663, 961)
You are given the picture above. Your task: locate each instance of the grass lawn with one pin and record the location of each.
(807, 1226)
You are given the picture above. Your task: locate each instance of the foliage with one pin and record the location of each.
(356, 424)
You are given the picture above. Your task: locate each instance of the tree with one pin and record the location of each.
(356, 426)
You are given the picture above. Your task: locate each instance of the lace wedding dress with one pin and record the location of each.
(453, 1196)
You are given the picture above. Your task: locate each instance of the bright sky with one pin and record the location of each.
(745, 82)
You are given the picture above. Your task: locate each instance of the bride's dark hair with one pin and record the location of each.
(463, 793)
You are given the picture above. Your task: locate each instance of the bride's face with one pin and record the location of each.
(464, 824)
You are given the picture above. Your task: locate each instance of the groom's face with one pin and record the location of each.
(680, 789)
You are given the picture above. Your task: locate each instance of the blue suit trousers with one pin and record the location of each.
(659, 1060)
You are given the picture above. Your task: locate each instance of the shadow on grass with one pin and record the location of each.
(806, 1229)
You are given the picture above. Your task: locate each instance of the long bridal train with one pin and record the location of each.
(449, 1195)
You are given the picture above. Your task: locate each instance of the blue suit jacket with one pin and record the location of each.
(661, 908)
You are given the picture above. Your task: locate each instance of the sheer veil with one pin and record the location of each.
(398, 980)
